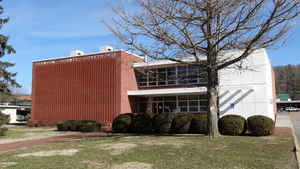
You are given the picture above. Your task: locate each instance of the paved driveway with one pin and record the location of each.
(295, 117)
(283, 120)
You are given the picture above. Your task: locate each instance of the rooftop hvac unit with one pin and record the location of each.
(106, 49)
(76, 53)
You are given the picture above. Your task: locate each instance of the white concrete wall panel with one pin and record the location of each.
(247, 90)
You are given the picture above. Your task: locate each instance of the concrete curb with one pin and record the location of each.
(297, 147)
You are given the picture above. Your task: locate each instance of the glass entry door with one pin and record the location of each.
(157, 108)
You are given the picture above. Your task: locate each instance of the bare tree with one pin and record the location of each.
(162, 29)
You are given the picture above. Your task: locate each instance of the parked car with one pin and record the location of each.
(291, 109)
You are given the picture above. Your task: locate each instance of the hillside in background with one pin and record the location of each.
(288, 80)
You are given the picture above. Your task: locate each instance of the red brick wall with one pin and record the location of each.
(128, 80)
(92, 87)
(274, 92)
(84, 88)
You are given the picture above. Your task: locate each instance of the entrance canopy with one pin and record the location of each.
(175, 91)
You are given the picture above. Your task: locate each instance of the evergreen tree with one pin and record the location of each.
(7, 79)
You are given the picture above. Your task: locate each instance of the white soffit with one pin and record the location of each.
(177, 91)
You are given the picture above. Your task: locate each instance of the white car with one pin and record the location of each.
(291, 109)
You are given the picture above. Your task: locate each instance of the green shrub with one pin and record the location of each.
(122, 123)
(260, 125)
(79, 125)
(90, 126)
(67, 125)
(75, 125)
(162, 122)
(142, 123)
(3, 131)
(181, 123)
(61, 126)
(232, 125)
(199, 124)
(4, 119)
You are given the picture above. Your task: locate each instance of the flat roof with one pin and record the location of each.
(227, 54)
(167, 62)
(87, 54)
(175, 91)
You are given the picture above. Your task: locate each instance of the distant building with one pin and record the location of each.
(282, 97)
(285, 103)
(17, 113)
(103, 85)
(24, 97)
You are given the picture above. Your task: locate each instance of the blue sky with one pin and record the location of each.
(47, 29)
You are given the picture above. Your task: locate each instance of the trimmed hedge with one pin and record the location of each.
(181, 123)
(162, 123)
(3, 131)
(260, 125)
(42, 124)
(79, 125)
(232, 125)
(90, 126)
(199, 124)
(142, 123)
(123, 122)
(4, 119)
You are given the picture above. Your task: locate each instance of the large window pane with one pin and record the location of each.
(170, 98)
(203, 109)
(170, 107)
(193, 103)
(183, 97)
(193, 97)
(171, 75)
(162, 76)
(182, 75)
(193, 109)
(152, 77)
(183, 109)
(141, 77)
(182, 103)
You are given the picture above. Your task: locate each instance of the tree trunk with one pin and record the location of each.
(212, 92)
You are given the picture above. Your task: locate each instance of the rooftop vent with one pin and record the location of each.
(76, 53)
(106, 49)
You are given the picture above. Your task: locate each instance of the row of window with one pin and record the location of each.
(176, 104)
(178, 75)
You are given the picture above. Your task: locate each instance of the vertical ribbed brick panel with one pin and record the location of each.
(83, 87)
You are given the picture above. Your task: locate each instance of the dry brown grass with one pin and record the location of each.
(133, 165)
(7, 164)
(68, 152)
(95, 164)
(117, 148)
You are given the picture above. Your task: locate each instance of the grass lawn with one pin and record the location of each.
(161, 152)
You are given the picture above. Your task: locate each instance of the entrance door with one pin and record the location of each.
(160, 108)
(157, 108)
(154, 108)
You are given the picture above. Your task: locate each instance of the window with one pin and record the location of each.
(141, 77)
(176, 104)
(153, 77)
(171, 75)
(182, 75)
(176, 75)
(161, 76)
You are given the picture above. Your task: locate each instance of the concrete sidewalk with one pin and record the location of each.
(30, 143)
(294, 122)
(283, 120)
